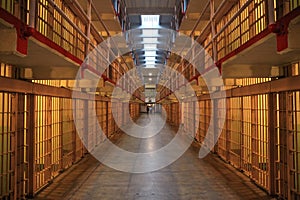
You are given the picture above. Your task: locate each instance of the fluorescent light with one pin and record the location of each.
(150, 40)
(152, 62)
(150, 32)
(150, 46)
(150, 53)
(150, 79)
(150, 59)
(150, 74)
(150, 20)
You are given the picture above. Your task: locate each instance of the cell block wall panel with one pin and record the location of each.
(287, 145)
(259, 114)
(13, 146)
(202, 121)
(93, 137)
(6, 150)
(167, 108)
(246, 140)
(20, 143)
(222, 128)
(134, 109)
(56, 143)
(110, 120)
(174, 114)
(189, 118)
(104, 118)
(294, 133)
(234, 128)
(117, 109)
(42, 137)
(208, 117)
(101, 120)
(197, 119)
(68, 132)
(47, 139)
(80, 127)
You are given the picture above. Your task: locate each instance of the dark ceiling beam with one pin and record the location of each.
(150, 11)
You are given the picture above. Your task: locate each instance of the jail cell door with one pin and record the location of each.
(246, 164)
(68, 132)
(287, 128)
(235, 127)
(42, 140)
(19, 133)
(222, 128)
(260, 140)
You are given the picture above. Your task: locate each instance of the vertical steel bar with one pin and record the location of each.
(271, 11)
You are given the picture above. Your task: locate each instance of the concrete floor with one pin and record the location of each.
(187, 178)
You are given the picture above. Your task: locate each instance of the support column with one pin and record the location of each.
(213, 31)
(88, 27)
(74, 132)
(32, 13)
(48, 138)
(283, 176)
(14, 147)
(272, 142)
(226, 129)
(290, 143)
(61, 145)
(215, 122)
(86, 126)
(31, 144)
(18, 145)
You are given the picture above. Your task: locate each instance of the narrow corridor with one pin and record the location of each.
(187, 178)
